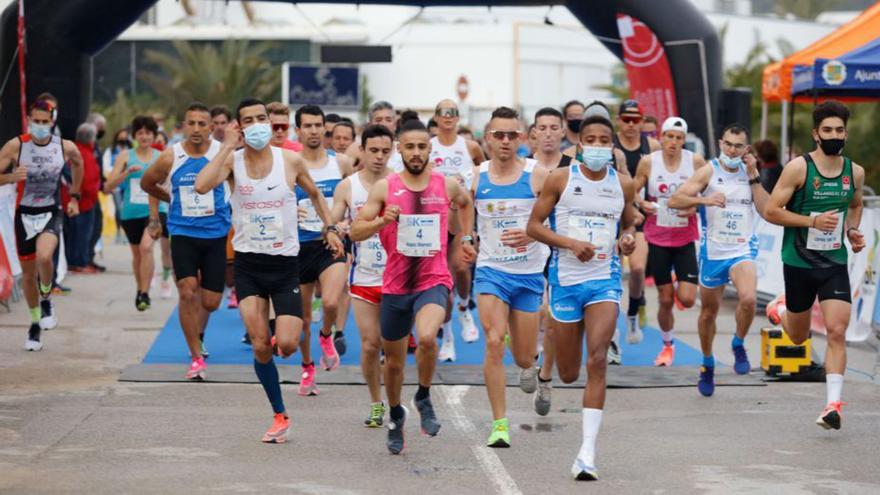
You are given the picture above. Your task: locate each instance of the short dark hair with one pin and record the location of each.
(409, 126)
(344, 124)
(45, 95)
(196, 106)
(332, 118)
(549, 112)
(41, 104)
(767, 151)
(596, 119)
(735, 128)
(651, 119)
(248, 102)
(432, 123)
(373, 131)
(409, 115)
(504, 113)
(571, 104)
(218, 110)
(144, 122)
(307, 110)
(830, 108)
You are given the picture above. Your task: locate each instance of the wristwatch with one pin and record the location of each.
(467, 238)
(76, 196)
(756, 180)
(331, 228)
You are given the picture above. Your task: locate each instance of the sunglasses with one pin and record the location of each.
(630, 119)
(280, 127)
(500, 135)
(447, 112)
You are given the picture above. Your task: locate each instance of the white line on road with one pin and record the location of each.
(493, 467)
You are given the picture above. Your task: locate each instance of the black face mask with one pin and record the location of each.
(832, 147)
(100, 134)
(574, 125)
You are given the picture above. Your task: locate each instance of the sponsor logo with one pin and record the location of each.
(578, 191)
(432, 200)
(261, 205)
(273, 187)
(398, 192)
(560, 307)
(485, 191)
(834, 73)
(845, 181)
(863, 76)
(245, 190)
(840, 293)
(817, 183)
(611, 293)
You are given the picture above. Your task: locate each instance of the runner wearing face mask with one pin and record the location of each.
(573, 113)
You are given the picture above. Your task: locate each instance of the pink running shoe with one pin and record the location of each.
(307, 383)
(666, 356)
(277, 433)
(197, 370)
(329, 357)
(232, 301)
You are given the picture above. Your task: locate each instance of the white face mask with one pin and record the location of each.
(730, 162)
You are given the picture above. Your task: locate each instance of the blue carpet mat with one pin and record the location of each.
(224, 332)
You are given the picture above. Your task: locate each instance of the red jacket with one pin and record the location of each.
(91, 182)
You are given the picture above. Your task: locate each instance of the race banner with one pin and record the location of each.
(650, 79)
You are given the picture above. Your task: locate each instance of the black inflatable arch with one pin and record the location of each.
(62, 36)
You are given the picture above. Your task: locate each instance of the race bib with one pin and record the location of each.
(263, 231)
(418, 236)
(136, 195)
(825, 241)
(193, 204)
(312, 222)
(496, 228)
(34, 224)
(731, 226)
(668, 217)
(598, 231)
(371, 256)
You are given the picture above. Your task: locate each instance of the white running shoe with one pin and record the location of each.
(469, 330)
(447, 351)
(614, 353)
(165, 291)
(48, 320)
(33, 341)
(634, 333)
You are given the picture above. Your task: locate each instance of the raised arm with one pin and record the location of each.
(304, 180)
(119, 173)
(688, 195)
(157, 174)
(759, 194)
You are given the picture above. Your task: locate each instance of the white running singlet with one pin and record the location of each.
(453, 161)
(728, 232)
(368, 256)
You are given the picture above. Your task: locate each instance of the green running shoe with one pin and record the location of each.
(500, 437)
(377, 415)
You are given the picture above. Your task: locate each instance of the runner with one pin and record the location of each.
(380, 113)
(649, 127)
(365, 275)
(342, 136)
(670, 233)
(573, 112)
(266, 243)
(317, 261)
(731, 195)
(818, 199)
(635, 145)
(454, 156)
(198, 224)
(220, 118)
(279, 116)
(34, 161)
(135, 206)
(591, 207)
(509, 278)
(416, 283)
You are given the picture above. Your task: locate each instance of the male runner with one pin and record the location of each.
(342, 136)
(279, 118)
(380, 113)
(509, 279)
(730, 192)
(454, 156)
(414, 207)
(649, 127)
(670, 233)
(634, 145)
(317, 261)
(591, 204)
(220, 118)
(263, 179)
(198, 224)
(573, 113)
(818, 200)
(34, 162)
(365, 275)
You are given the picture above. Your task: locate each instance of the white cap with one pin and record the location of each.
(675, 124)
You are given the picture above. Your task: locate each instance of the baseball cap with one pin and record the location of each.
(674, 124)
(597, 108)
(630, 107)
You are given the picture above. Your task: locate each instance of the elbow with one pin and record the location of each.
(532, 230)
(201, 188)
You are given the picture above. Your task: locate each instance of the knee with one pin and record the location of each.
(494, 345)
(524, 362)
(187, 293)
(747, 301)
(393, 366)
(44, 257)
(800, 338)
(427, 344)
(145, 249)
(597, 363)
(568, 375)
(687, 300)
(636, 271)
(666, 301)
(708, 314)
(211, 303)
(287, 346)
(836, 334)
(330, 305)
(261, 348)
(369, 347)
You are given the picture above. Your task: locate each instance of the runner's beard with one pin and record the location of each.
(415, 171)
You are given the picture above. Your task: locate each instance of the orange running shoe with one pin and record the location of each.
(277, 433)
(666, 356)
(831, 416)
(307, 385)
(775, 309)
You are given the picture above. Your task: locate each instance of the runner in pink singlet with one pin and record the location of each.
(410, 211)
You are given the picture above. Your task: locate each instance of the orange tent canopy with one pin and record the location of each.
(776, 85)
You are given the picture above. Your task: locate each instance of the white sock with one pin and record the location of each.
(591, 422)
(667, 336)
(447, 332)
(833, 386)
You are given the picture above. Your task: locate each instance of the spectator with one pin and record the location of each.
(100, 124)
(768, 163)
(79, 228)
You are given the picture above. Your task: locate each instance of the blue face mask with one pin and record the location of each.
(594, 157)
(731, 163)
(257, 136)
(40, 131)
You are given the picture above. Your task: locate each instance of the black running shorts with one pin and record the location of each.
(314, 258)
(398, 312)
(194, 257)
(270, 277)
(663, 260)
(803, 285)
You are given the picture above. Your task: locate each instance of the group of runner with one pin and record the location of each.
(399, 219)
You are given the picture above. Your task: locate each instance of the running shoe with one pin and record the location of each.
(542, 398)
(246, 339)
(583, 471)
(396, 437)
(33, 341)
(447, 352)
(48, 321)
(634, 333)
(377, 415)
(197, 370)
(61, 290)
(429, 424)
(666, 356)
(500, 437)
(142, 301)
(165, 291)
(411, 347)
(232, 300)
(329, 357)
(339, 343)
(706, 384)
(277, 433)
(741, 360)
(307, 385)
(775, 309)
(317, 310)
(528, 379)
(831, 416)
(469, 330)
(614, 354)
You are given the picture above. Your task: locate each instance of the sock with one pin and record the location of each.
(833, 386)
(709, 361)
(268, 375)
(396, 412)
(338, 334)
(45, 290)
(35, 314)
(736, 341)
(423, 392)
(634, 303)
(543, 380)
(447, 332)
(502, 421)
(667, 336)
(166, 273)
(463, 302)
(591, 421)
